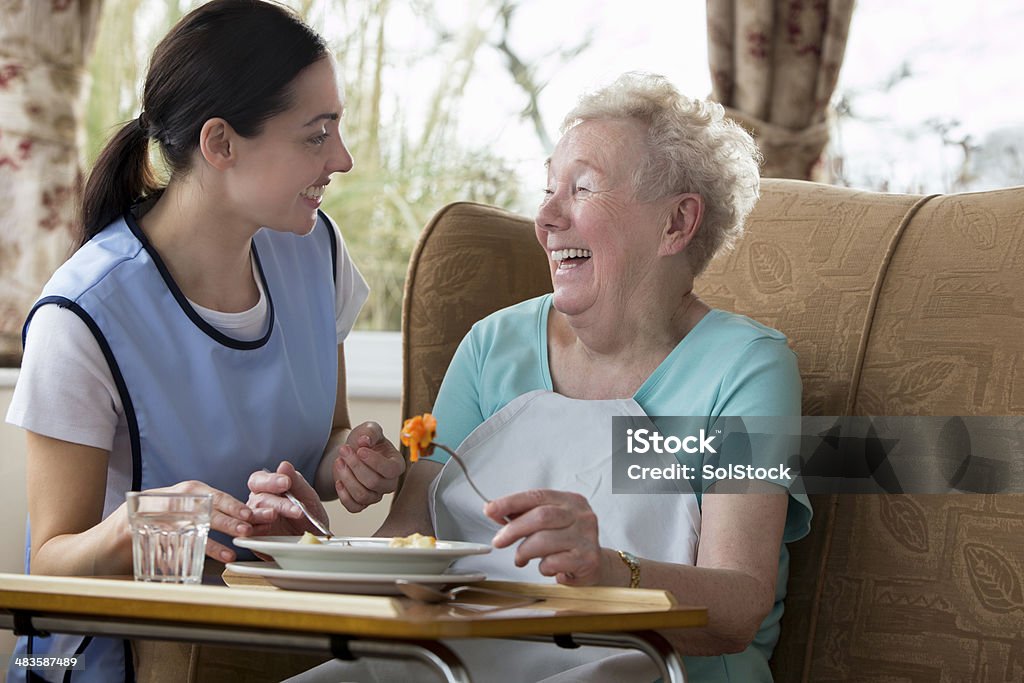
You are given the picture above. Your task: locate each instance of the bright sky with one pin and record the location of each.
(964, 58)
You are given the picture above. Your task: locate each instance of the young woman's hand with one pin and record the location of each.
(368, 466)
(230, 516)
(275, 514)
(70, 537)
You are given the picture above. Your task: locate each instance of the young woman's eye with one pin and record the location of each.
(320, 139)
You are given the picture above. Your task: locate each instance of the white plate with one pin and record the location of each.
(340, 582)
(363, 556)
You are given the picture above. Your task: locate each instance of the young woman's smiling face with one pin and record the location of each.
(279, 179)
(601, 241)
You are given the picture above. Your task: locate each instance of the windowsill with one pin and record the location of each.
(373, 366)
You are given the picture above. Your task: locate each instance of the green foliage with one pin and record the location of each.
(382, 211)
(404, 172)
(114, 72)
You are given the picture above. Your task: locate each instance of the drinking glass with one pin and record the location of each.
(169, 535)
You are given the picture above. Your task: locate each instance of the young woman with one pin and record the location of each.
(196, 335)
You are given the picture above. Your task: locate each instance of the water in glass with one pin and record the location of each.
(169, 536)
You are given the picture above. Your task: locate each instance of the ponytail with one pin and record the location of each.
(121, 176)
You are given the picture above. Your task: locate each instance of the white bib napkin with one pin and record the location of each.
(546, 440)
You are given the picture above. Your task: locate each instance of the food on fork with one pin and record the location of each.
(416, 540)
(310, 539)
(418, 434)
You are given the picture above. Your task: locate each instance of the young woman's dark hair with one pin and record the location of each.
(233, 59)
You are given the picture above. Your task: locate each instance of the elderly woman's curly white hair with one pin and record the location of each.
(692, 147)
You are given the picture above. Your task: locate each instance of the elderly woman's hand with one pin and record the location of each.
(368, 466)
(557, 527)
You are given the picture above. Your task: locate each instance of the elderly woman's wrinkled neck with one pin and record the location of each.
(603, 362)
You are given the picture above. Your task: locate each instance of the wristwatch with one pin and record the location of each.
(631, 561)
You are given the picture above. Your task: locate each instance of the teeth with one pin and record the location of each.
(562, 254)
(314, 191)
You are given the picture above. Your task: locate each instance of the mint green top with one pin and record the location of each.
(728, 365)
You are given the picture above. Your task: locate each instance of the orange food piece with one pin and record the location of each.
(418, 434)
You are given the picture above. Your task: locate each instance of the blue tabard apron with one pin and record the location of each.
(199, 404)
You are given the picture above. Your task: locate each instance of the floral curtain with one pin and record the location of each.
(774, 65)
(44, 45)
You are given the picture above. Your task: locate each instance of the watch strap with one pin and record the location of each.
(631, 561)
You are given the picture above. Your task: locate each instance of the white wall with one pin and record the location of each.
(13, 498)
(12, 503)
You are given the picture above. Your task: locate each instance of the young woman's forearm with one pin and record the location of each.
(66, 489)
(105, 549)
(323, 483)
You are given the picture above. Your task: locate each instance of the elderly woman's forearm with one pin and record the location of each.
(737, 605)
(410, 510)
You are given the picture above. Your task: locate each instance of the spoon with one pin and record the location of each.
(322, 528)
(428, 594)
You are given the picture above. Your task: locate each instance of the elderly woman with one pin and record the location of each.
(643, 189)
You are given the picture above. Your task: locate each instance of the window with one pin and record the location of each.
(928, 99)
(447, 100)
(451, 100)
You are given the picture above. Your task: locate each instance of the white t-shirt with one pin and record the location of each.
(66, 391)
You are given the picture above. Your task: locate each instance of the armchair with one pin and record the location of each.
(895, 305)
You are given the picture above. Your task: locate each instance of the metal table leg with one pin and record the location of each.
(651, 643)
(432, 653)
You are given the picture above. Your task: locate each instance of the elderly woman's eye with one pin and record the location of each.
(546, 194)
(580, 188)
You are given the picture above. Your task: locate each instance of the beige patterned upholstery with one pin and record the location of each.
(896, 305)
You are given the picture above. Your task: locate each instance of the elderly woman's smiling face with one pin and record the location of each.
(602, 243)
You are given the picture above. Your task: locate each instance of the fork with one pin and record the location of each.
(465, 471)
(469, 479)
(322, 528)
(432, 595)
